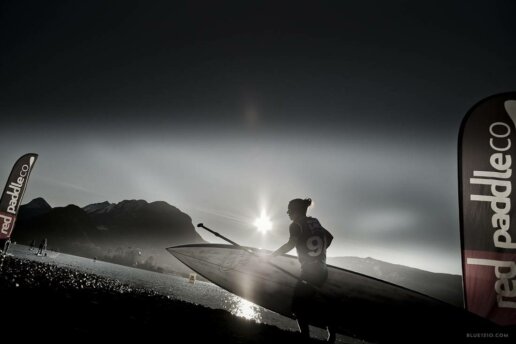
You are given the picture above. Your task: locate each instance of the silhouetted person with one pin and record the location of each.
(311, 241)
(42, 246)
(32, 245)
(5, 248)
(2, 244)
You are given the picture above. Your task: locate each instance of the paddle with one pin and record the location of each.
(200, 225)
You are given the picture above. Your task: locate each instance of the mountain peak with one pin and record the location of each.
(162, 205)
(132, 204)
(97, 207)
(38, 203)
(127, 206)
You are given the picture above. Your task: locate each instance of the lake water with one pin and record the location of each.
(176, 287)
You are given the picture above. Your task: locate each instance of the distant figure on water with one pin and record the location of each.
(311, 241)
(42, 247)
(192, 278)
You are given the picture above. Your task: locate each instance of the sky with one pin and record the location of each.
(230, 109)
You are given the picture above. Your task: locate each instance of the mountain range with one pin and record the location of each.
(442, 286)
(131, 232)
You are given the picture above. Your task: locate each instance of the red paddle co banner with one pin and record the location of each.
(13, 193)
(487, 153)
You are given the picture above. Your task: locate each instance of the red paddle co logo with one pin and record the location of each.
(498, 179)
(13, 191)
(488, 211)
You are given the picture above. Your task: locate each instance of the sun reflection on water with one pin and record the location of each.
(245, 309)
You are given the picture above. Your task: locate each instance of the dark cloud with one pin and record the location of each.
(175, 62)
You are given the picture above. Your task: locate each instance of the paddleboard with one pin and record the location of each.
(357, 304)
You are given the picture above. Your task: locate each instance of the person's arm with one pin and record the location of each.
(291, 243)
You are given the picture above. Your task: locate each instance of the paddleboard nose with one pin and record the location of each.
(173, 251)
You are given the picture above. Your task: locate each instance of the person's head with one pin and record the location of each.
(297, 208)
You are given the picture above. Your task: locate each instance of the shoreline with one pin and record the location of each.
(63, 303)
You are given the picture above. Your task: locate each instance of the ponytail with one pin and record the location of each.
(300, 205)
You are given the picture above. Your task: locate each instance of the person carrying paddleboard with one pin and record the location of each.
(311, 240)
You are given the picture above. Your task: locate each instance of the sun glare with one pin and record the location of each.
(263, 223)
(245, 309)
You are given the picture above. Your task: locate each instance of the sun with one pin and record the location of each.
(263, 223)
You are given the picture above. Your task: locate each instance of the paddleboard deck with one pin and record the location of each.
(358, 304)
